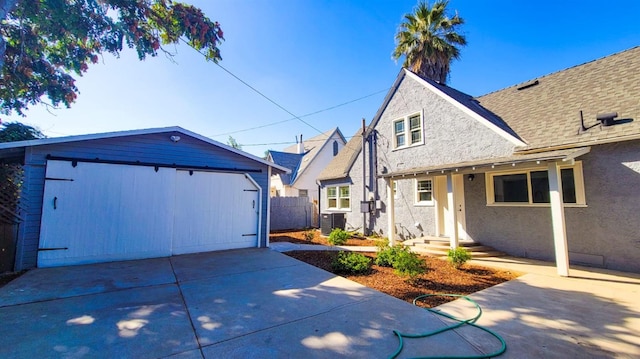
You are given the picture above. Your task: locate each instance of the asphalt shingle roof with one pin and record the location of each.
(547, 114)
(286, 160)
(341, 164)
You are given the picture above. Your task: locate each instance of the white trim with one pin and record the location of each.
(246, 175)
(406, 121)
(337, 187)
(149, 131)
(267, 243)
(391, 216)
(467, 111)
(578, 178)
(416, 201)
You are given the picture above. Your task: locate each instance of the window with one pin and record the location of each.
(408, 131)
(303, 193)
(335, 148)
(424, 192)
(398, 131)
(338, 197)
(531, 187)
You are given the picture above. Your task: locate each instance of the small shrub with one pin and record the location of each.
(308, 235)
(387, 255)
(338, 237)
(382, 244)
(351, 262)
(458, 256)
(409, 264)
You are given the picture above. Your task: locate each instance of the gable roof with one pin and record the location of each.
(312, 147)
(462, 101)
(286, 160)
(341, 164)
(546, 111)
(11, 146)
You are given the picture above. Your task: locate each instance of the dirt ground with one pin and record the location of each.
(440, 277)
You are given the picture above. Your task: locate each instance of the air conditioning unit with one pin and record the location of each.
(329, 221)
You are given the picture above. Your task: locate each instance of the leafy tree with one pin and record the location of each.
(429, 40)
(16, 131)
(44, 42)
(233, 143)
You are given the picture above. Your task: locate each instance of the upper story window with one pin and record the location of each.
(424, 191)
(338, 197)
(531, 187)
(335, 147)
(407, 131)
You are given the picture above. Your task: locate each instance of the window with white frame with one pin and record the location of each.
(407, 131)
(338, 197)
(424, 191)
(531, 186)
(303, 193)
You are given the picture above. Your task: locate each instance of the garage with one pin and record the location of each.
(136, 194)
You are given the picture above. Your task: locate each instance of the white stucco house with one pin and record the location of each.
(306, 159)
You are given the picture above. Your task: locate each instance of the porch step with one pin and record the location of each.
(438, 247)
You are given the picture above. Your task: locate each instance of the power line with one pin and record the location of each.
(305, 115)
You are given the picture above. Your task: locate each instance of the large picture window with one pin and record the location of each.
(338, 197)
(407, 131)
(531, 187)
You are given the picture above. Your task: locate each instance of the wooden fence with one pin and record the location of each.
(293, 213)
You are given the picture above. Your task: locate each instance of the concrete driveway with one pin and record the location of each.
(260, 303)
(231, 304)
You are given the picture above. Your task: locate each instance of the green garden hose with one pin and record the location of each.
(461, 322)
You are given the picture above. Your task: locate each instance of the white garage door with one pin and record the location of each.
(97, 212)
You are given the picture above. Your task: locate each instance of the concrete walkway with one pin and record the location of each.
(251, 303)
(594, 313)
(260, 303)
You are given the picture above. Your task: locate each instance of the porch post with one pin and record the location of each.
(557, 219)
(452, 213)
(391, 217)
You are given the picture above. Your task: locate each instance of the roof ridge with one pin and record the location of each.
(556, 72)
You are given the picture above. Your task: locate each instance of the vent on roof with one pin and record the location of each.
(528, 84)
(607, 119)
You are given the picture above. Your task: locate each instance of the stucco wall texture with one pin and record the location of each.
(605, 232)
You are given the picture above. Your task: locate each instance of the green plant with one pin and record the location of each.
(387, 255)
(382, 244)
(409, 264)
(308, 235)
(338, 237)
(351, 262)
(458, 256)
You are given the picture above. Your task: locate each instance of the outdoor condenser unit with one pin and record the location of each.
(329, 221)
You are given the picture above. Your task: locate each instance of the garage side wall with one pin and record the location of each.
(152, 148)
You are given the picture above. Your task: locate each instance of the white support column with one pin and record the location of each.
(391, 217)
(452, 214)
(557, 218)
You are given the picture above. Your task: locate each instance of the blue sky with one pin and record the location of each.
(308, 56)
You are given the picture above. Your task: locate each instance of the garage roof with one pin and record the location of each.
(9, 149)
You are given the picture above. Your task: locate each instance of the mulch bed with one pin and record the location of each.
(440, 277)
(314, 237)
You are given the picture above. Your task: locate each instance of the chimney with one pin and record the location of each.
(300, 146)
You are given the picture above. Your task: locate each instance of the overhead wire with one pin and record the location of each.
(273, 101)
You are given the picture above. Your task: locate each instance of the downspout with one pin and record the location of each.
(364, 178)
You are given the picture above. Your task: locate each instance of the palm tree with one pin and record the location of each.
(429, 41)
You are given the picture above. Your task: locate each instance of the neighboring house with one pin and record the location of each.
(305, 159)
(136, 194)
(542, 169)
